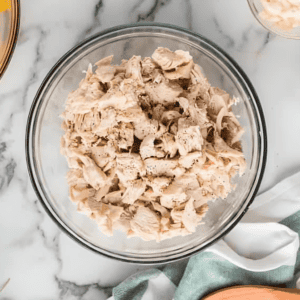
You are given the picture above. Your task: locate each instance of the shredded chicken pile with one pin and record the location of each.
(148, 143)
(284, 14)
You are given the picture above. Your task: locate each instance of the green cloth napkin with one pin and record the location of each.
(208, 272)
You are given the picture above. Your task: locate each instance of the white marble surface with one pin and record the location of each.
(44, 263)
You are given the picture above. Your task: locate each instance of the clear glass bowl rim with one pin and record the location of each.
(31, 123)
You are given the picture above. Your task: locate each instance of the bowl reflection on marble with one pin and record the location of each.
(48, 168)
(257, 7)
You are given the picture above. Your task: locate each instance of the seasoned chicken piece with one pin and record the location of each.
(177, 213)
(158, 111)
(114, 197)
(158, 184)
(179, 171)
(189, 137)
(132, 114)
(117, 80)
(160, 167)
(125, 135)
(198, 78)
(172, 196)
(148, 66)
(224, 150)
(157, 76)
(165, 225)
(105, 70)
(79, 193)
(123, 223)
(184, 103)
(101, 192)
(188, 160)
(129, 166)
(168, 144)
(161, 130)
(86, 122)
(148, 196)
(132, 90)
(147, 148)
(107, 121)
(199, 116)
(225, 96)
(145, 127)
(145, 223)
(169, 60)
(163, 211)
(114, 98)
(189, 184)
(87, 138)
(78, 104)
(92, 174)
(75, 177)
(74, 163)
(230, 129)
(133, 69)
(120, 97)
(187, 181)
(106, 216)
(183, 71)
(176, 64)
(164, 92)
(83, 207)
(216, 103)
(93, 204)
(83, 99)
(169, 115)
(102, 155)
(189, 216)
(134, 190)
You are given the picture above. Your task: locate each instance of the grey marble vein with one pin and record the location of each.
(268, 38)
(10, 170)
(150, 15)
(33, 76)
(51, 243)
(262, 38)
(95, 22)
(5, 96)
(189, 15)
(230, 43)
(68, 288)
(3, 148)
(245, 36)
(136, 6)
(7, 167)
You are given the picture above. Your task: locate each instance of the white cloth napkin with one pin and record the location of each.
(257, 243)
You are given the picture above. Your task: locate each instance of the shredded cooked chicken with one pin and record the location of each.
(149, 143)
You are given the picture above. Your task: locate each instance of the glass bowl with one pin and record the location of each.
(9, 28)
(256, 8)
(48, 168)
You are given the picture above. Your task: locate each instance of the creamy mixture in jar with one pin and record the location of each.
(284, 14)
